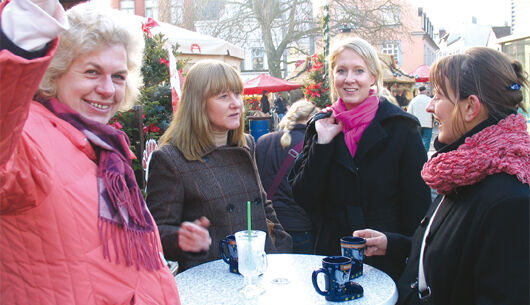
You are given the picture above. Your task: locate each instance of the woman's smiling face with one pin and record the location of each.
(352, 79)
(94, 85)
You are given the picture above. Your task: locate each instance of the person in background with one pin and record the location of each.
(204, 173)
(361, 159)
(264, 102)
(74, 226)
(418, 107)
(388, 96)
(482, 171)
(279, 106)
(275, 154)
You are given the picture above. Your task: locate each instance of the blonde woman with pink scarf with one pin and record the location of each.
(472, 246)
(361, 159)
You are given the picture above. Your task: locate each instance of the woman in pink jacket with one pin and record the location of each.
(74, 228)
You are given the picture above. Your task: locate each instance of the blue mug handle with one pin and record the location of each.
(315, 284)
(222, 250)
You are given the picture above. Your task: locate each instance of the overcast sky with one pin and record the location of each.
(446, 13)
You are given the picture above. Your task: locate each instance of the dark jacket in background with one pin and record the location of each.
(270, 157)
(477, 250)
(265, 105)
(279, 105)
(381, 188)
(179, 190)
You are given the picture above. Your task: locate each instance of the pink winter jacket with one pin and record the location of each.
(50, 249)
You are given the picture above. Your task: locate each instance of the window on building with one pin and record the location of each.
(392, 48)
(258, 55)
(210, 10)
(151, 11)
(127, 6)
(390, 15)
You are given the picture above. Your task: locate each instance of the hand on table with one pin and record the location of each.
(327, 128)
(376, 242)
(194, 236)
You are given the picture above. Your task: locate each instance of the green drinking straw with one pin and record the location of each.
(249, 219)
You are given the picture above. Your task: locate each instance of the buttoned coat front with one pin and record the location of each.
(217, 187)
(380, 188)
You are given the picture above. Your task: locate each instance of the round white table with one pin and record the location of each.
(286, 281)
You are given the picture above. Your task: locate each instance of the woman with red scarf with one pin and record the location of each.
(361, 159)
(74, 228)
(472, 247)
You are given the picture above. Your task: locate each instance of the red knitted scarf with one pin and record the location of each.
(504, 147)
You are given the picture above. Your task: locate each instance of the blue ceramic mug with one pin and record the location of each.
(228, 251)
(336, 270)
(353, 247)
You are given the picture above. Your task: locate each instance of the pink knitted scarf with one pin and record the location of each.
(504, 147)
(355, 120)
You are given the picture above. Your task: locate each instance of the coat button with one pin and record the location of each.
(230, 208)
(414, 285)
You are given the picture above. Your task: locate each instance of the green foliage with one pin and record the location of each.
(155, 97)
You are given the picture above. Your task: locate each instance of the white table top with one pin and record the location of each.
(212, 283)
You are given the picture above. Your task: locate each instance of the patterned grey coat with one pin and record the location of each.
(179, 190)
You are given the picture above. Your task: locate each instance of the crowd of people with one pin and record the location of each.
(75, 228)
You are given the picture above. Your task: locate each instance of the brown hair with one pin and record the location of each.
(190, 128)
(483, 72)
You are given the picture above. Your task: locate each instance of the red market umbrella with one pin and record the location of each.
(421, 73)
(262, 82)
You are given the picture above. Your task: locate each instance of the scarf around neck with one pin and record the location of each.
(355, 120)
(123, 214)
(502, 147)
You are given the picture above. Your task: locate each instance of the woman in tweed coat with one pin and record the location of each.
(205, 172)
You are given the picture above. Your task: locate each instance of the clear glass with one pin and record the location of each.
(252, 260)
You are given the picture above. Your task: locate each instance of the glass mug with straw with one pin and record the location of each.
(252, 259)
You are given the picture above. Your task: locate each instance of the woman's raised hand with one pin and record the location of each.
(376, 242)
(327, 128)
(194, 236)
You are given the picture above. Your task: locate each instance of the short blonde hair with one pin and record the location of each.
(190, 129)
(299, 111)
(367, 53)
(93, 27)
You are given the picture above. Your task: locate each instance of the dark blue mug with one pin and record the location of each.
(353, 247)
(336, 270)
(228, 251)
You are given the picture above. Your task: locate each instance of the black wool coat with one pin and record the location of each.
(477, 249)
(270, 157)
(380, 188)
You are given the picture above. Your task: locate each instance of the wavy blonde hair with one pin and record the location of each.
(299, 112)
(190, 129)
(367, 53)
(93, 27)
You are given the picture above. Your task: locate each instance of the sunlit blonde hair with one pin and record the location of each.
(190, 130)
(367, 53)
(299, 112)
(92, 28)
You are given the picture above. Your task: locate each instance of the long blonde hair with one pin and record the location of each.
(299, 112)
(190, 129)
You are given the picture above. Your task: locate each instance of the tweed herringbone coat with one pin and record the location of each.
(218, 187)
